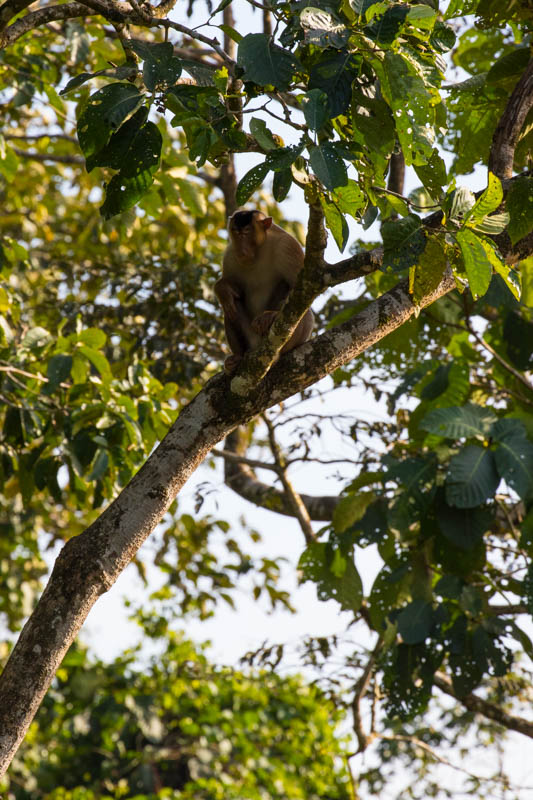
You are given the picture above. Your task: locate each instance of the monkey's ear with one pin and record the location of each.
(266, 222)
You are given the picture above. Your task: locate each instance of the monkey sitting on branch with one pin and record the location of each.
(259, 269)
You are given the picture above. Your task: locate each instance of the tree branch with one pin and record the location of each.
(294, 499)
(508, 130)
(490, 710)
(239, 476)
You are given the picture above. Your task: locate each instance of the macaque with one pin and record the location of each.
(259, 269)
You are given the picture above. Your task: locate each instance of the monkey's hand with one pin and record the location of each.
(263, 322)
(231, 363)
(227, 295)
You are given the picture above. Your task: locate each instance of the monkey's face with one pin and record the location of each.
(248, 230)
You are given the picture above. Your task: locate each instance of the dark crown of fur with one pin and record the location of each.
(241, 219)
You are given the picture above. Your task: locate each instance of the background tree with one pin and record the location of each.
(109, 330)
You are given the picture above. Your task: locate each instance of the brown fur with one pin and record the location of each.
(260, 266)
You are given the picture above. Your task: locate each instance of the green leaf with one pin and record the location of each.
(93, 337)
(328, 166)
(114, 153)
(460, 422)
(514, 455)
(281, 184)
(443, 37)
(433, 174)
(427, 273)
(335, 222)
(262, 134)
(487, 202)
(519, 204)
(192, 196)
(413, 105)
(463, 200)
(315, 107)
(415, 622)
(141, 161)
(334, 75)
(100, 466)
(322, 29)
(320, 563)
(98, 360)
(349, 199)
(265, 63)
(105, 112)
(403, 242)
(511, 65)
(472, 477)
(161, 66)
(250, 182)
(351, 509)
(491, 225)
(463, 527)
(476, 260)
(119, 73)
(422, 17)
(57, 371)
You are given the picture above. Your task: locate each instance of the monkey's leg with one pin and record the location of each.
(302, 332)
(238, 338)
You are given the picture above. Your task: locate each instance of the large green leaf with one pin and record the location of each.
(472, 477)
(487, 202)
(250, 182)
(315, 106)
(161, 67)
(140, 162)
(322, 29)
(460, 422)
(265, 63)
(476, 260)
(514, 455)
(403, 242)
(328, 166)
(334, 75)
(334, 573)
(433, 174)
(413, 105)
(464, 527)
(114, 153)
(415, 622)
(336, 222)
(106, 110)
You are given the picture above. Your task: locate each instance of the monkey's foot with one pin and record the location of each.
(263, 322)
(231, 363)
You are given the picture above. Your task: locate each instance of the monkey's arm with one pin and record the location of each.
(228, 294)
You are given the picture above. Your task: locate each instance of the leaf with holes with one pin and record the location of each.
(328, 166)
(105, 112)
(514, 456)
(460, 422)
(265, 63)
(476, 260)
(136, 175)
(250, 182)
(472, 477)
(334, 573)
(403, 242)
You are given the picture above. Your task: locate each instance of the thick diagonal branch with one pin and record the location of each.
(510, 125)
(480, 706)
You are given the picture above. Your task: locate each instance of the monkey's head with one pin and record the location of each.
(248, 229)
